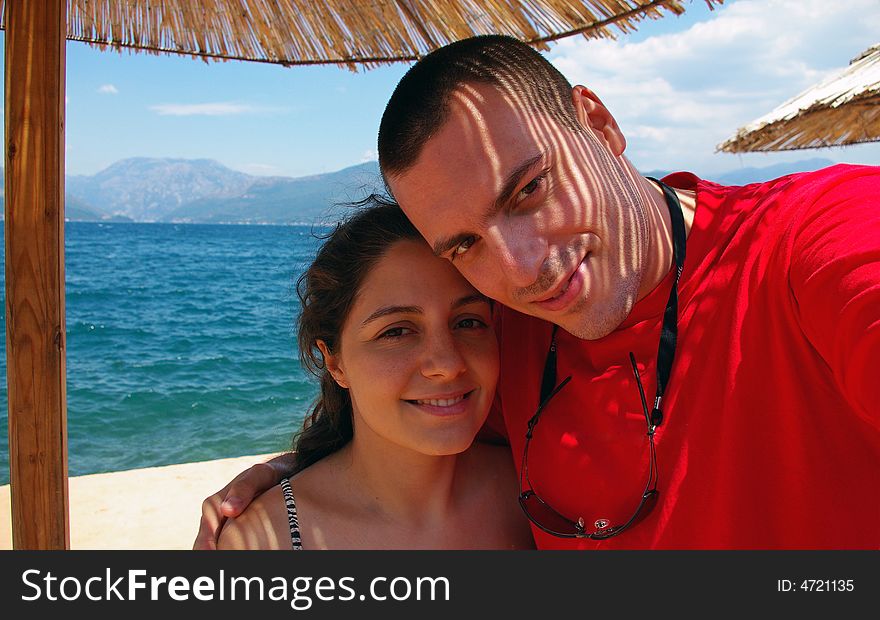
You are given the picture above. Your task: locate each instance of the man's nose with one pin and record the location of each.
(520, 252)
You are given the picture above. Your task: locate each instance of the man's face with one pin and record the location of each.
(546, 220)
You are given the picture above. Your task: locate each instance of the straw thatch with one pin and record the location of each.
(344, 32)
(843, 109)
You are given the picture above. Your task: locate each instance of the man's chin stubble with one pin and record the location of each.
(589, 323)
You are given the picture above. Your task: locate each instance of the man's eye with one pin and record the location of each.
(463, 247)
(531, 186)
(471, 323)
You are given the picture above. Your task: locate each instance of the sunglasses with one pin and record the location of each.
(536, 509)
(550, 520)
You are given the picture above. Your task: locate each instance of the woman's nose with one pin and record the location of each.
(442, 357)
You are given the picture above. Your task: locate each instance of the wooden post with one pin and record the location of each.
(34, 227)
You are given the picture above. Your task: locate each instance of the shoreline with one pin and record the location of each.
(149, 508)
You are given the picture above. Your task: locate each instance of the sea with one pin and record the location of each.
(181, 343)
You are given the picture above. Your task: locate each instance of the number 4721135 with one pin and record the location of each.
(815, 585)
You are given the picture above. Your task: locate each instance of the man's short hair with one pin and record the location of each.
(420, 103)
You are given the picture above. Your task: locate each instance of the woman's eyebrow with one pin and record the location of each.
(458, 303)
(385, 311)
(470, 299)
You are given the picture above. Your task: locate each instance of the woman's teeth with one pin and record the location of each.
(441, 402)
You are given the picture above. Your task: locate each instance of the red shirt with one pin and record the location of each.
(771, 436)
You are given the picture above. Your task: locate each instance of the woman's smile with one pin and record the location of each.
(445, 405)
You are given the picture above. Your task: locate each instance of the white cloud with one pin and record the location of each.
(108, 89)
(678, 95)
(369, 155)
(204, 109)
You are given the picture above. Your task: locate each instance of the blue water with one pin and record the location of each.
(181, 343)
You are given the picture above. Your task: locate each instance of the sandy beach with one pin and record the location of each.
(152, 508)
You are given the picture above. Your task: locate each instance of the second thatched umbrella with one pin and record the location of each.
(843, 109)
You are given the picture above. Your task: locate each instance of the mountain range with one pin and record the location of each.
(144, 189)
(204, 191)
(744, 176)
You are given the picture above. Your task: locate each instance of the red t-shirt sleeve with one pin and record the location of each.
(835, 278)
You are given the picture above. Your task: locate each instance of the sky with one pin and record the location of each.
(677, 88)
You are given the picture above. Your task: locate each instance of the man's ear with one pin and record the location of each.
(332, 363)
(593, 114)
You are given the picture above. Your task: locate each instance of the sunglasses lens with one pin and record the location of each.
(647, 506)
(545, 517)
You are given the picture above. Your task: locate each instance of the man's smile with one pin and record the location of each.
(569, 289)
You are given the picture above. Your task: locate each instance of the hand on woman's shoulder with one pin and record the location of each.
(257, 526)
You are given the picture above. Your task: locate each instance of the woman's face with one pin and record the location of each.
(418, 353)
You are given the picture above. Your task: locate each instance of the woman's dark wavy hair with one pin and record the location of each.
(327, 292)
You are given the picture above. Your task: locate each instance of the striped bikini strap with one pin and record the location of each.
(292, 519)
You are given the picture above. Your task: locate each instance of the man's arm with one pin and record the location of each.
(835, 278)
(231, 500)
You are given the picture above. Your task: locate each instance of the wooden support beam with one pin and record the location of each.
(34, 231)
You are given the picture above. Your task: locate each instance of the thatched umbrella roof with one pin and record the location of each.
(843, 109)
(346, 32)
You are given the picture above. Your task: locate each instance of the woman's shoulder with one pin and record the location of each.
(491, 470)
(492, 460)
(260, 526)
(495, 487)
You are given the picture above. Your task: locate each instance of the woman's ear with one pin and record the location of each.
(593, 114)
(332, 363)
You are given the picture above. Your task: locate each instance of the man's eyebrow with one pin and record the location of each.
(444, 244)
(378, 314)
(510, 184)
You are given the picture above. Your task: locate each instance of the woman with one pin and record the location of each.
(407, 362)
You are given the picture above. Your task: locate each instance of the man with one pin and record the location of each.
(723, 400)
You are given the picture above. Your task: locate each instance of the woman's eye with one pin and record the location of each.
(394, 332)
(471, 323)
